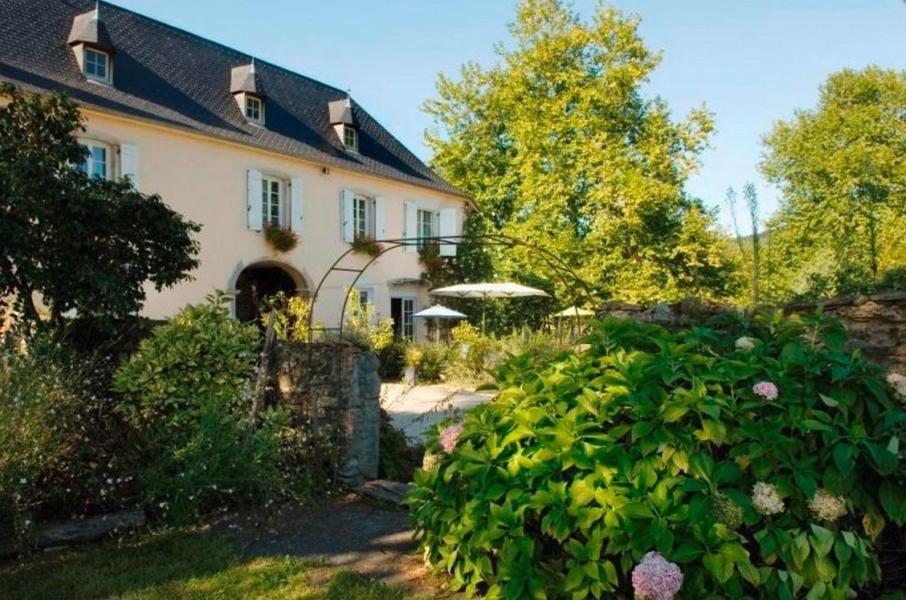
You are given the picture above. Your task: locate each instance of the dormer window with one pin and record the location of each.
(342, 117)
(246, 87)
(93, 48)
(97, 65)
(351, 138)
(254, 109)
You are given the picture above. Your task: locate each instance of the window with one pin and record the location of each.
(365, 298)
(363, 216)
(401, 311)
(426, 224)
(96, 162)
(350, 138)
(271, 201)
(254, 109)
(97, 65)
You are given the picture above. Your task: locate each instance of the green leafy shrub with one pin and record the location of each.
(398, 458)
(429, 359)
(765, 466)
(186, 393)
(201, 357)
(63, 453)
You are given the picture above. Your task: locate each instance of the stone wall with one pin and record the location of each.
(876, 324)
(334, 389)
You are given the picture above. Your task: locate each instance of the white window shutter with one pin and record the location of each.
(348, 207)
(449, 227)
(129, 163)
(380, 218)
(295, 209)
(253, 200)
(410, 211)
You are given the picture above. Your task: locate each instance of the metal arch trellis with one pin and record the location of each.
(560, 268)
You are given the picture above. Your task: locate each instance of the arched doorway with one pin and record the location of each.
(260, 281)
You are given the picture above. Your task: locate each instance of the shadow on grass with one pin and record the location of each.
(179, 565)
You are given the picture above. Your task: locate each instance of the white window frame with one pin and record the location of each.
(254, 103)
(425, 217)
(268, 207)
(408, 329)
(363, 216)
(87, 165)
(351, 138)
(89, 53)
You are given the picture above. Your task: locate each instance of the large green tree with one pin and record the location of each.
(841, 168)
(80, 242)
(558, 146)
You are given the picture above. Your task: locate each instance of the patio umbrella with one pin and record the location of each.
(439, 313)
(573, 312)
(484, 291)
(488, 290)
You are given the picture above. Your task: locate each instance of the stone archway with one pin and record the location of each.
(262, 280)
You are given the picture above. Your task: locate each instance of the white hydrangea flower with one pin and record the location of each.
(898, 383)
(826, 506)
(766, 499)
(746, 344)
(430, 461)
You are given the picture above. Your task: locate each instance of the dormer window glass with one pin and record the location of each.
(97, 65)
(254, 109)
(351, 138)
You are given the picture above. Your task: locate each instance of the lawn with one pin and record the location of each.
(183, 565)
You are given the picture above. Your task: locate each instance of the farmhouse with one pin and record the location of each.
(237, 145)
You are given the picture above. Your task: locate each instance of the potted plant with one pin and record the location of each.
(280, 239)
(363, 244)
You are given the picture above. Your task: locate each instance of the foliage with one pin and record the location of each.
(430, 360)
(290, 317)
(392, 360)
(281, 239)
(186, 392)
(842, 170)
(201, 357)
(362, 324)
(362, 244)
(181, 564)
(62, 451)
(398, 459)
(557, 144)
(83, 243)
(637, 442)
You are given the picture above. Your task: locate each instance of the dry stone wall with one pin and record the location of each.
(876, 324)
(334, 389)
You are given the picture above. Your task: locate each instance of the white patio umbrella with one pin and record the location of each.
(573, 312)
(439, 313)
(484, 291)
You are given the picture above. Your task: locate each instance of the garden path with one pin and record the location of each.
(416, 409)
(346, 532)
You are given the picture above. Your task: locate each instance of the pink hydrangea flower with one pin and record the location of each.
(449, 437)
(656, 578)
(766, 389)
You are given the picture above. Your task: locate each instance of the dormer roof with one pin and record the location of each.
(341, 112)
(244, 79)
(89, 28)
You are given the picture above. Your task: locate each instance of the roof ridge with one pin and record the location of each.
(216, 44)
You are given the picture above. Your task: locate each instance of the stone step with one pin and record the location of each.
(384, 490)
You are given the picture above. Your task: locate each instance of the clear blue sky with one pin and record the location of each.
(750, 62)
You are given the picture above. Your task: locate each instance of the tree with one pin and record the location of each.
(841, 168)
(558, 146)
(81, 242)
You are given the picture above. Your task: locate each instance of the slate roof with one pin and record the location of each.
(176, 78)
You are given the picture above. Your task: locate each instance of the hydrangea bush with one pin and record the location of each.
(661, 465)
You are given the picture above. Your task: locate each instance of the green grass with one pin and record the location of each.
(181, 565)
